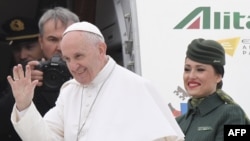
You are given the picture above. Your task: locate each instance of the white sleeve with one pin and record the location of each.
(20, 114)
(31, 126)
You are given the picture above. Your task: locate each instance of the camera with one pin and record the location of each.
(55, 73)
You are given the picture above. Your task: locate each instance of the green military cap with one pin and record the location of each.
(21, 29)
(206, 51)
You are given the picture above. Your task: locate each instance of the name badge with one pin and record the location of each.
(204, 128)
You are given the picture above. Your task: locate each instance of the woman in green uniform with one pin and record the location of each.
(209, 107)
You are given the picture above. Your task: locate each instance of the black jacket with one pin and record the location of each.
(7, 132)
(44, 100)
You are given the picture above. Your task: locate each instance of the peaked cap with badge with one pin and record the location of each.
(21, 29)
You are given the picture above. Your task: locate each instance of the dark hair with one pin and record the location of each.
(219, 70)
(6, 63)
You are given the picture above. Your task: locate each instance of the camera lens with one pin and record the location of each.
(53, 79)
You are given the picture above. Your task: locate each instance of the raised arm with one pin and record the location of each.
(22, 86)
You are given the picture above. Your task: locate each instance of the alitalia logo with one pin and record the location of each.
(204, 18)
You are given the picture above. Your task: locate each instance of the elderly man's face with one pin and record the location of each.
(84, 56)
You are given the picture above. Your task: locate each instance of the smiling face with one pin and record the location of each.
(200, 80)
(85, 57)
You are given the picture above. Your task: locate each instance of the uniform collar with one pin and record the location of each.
(208, 104)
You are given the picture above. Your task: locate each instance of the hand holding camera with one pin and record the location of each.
(55, 73)
(51, 73)
(35, 74)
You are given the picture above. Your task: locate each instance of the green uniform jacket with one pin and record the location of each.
(206, 121)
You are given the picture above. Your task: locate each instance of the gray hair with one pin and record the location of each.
(93, 38)
(61, 14)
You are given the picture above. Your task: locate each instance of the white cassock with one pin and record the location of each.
(118, 105)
